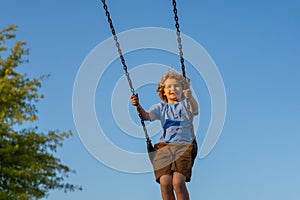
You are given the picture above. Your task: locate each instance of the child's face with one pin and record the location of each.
(173, 90)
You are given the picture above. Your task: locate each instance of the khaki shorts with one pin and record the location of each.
(171, 158)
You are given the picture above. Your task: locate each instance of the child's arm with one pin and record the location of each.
(139, 109)
(193, 104)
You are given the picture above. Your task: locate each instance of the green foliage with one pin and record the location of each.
(28, 168)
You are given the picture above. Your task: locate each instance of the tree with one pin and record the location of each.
(28, 167)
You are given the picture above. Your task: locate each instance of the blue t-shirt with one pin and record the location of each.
(174, 120)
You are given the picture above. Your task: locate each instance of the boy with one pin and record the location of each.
(175, 152)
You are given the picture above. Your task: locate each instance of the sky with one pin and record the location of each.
(255, 48)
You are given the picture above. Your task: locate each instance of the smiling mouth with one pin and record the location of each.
(173, 95)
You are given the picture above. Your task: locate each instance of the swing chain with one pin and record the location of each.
(182, 64)
(124, 66)
(118, 46)
(179, 38)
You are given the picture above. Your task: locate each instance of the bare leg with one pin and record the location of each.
(180, 186)
(166, 187)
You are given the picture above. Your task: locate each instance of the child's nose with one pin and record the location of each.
(174, 88)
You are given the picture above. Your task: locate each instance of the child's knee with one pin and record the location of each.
(166, 182)
(178, 182)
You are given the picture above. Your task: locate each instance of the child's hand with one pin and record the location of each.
(187, 93)
(134, 99)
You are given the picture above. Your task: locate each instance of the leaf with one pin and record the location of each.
(29, 168)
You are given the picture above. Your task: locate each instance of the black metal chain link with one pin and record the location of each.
(182, 62)
(124, 66)
(118, 46)
(179, 39)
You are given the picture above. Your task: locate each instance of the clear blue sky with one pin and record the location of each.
(255, 45)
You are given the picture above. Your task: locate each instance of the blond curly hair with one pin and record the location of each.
(185, 83)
